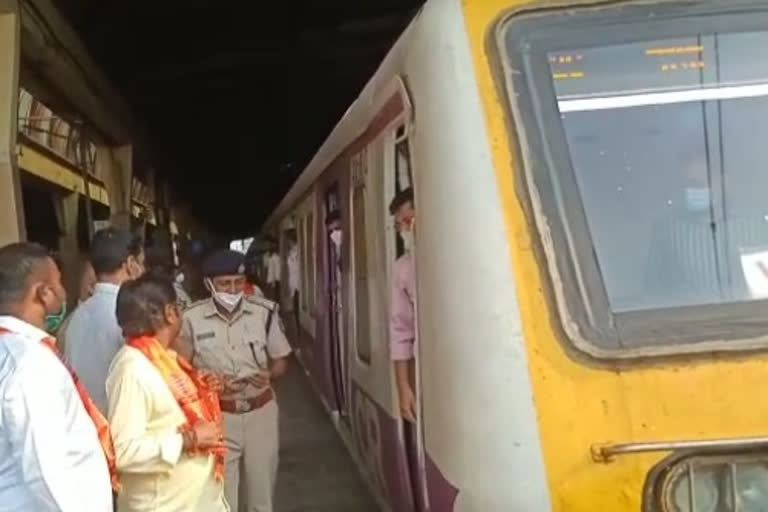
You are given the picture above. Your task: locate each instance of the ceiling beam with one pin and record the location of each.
(52, 48)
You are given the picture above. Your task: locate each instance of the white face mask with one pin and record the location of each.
(407, 237)
(336, 237)
(228, 301)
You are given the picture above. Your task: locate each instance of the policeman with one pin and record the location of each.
(240, 339)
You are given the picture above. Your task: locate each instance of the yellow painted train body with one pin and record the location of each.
(583, 403)
(591, 231)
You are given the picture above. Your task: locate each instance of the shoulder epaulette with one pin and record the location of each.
(261, 301)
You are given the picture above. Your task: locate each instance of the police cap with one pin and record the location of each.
(224, 262)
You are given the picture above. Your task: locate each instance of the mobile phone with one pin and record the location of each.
(242, 379)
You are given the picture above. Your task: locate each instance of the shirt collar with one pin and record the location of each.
(210, 309)
(22, 328)
(106, 288)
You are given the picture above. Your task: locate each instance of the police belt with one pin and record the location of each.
(247, 404)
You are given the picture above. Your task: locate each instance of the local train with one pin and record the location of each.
(591, 250)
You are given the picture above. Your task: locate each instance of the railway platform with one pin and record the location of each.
(316, 471)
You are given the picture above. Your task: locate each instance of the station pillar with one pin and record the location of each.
(115, 166)
(12, 227)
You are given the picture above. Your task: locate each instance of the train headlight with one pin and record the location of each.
(714, 484)
(703, 481)
(751, 487)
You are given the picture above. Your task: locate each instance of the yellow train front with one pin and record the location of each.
(630, 144)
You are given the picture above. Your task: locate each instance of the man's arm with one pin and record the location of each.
(278, 367)
(278, 347)
(184, 344)
(401, 337)
(37, 422)
(136, 450)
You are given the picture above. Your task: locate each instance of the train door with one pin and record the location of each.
(413, 433)
(335, 299)
(378, 432)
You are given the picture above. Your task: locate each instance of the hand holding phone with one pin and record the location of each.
(234, 384)
(259, 379)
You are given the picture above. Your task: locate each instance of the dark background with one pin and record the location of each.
(235, 91)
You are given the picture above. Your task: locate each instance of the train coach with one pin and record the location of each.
(591, 257)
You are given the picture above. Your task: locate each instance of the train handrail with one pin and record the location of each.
(605, 453)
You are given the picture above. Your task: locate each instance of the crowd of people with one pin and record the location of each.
(143, 398)
(155, 393)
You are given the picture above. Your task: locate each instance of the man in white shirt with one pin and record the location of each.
(167, 461)
(272, 270)
(294, 277)
(273, 275)
(93, 336)
(51, 459)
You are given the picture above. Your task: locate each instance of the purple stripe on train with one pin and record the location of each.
(381, 448)
(379, 442)
(442, 495)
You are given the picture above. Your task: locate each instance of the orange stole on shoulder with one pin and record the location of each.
(198, 402)
(99, 421)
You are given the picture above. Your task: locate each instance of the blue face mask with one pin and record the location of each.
(697, 198)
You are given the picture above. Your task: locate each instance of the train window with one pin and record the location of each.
(648, 166)
(302, 262)
(310, 262)
(402, 175)
(402, 160)
(360, 269)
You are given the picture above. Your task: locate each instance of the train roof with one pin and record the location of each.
(351, 125)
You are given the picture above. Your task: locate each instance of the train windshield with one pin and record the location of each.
(656, 154)
(668, 141)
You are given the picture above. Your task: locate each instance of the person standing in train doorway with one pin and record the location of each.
(335, 235)
(274, 271)
(402, 319)
(294, 277)
(241, 340)
(336, 309)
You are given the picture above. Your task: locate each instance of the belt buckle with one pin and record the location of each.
(241, 405)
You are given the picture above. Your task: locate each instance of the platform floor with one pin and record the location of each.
(316, 473)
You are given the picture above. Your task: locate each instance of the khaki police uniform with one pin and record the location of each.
(240, 347)
(183, 299)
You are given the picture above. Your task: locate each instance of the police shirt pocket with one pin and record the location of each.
(257, 349)
(206, 336)
(205, 348)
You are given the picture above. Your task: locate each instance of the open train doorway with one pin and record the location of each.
(405, 247)
(335, 300)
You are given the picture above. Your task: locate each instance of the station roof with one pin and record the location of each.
(240, 94)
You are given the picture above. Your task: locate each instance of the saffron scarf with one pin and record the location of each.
(197, 400)
(99, 421)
